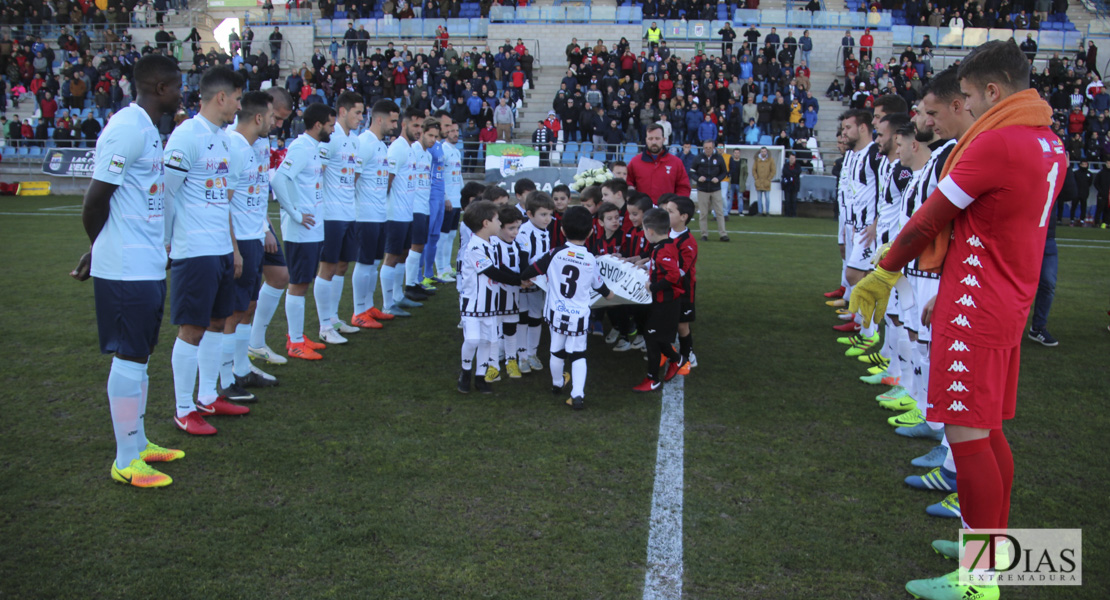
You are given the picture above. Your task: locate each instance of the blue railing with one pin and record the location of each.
(969, 37)
(403, 28)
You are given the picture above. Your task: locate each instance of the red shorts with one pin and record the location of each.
(972, 386)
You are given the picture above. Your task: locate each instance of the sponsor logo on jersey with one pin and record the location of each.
(221, 169)
(958, 346)
(967, 300)
(970, 280)
(153, 188)
(973, 260)
(958, 386)
(961, 321)
(958, 406)
(209, 184)
(958, 367)
(974, 242)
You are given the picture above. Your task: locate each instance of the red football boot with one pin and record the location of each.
(195, 424)
(222, 407)
(837, 293)
(647, 385)
(848, 327)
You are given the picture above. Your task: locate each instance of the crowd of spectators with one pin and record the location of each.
(753, 95)
(406, 9)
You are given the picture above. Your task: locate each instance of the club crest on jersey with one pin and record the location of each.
(176, 158)
(221, 169)
(116, 164)
(668, 168)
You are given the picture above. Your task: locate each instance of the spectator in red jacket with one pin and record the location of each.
(49, 106)
(866, 42)
(552, 123)
(1076, 120)
(655, 171)
(488, 134)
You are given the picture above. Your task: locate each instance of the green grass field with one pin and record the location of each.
(368, 476)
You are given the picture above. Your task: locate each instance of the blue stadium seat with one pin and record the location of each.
(599, 156)
(624, 14)
(35, 151)
(587, 148)
(50, 132)
(22, 151)
(7, 151)
(630, 147)
(570, 153)
(765, 140)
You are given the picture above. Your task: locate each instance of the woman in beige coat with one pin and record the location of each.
(763, 171)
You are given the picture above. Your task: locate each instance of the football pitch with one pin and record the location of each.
(366, 475)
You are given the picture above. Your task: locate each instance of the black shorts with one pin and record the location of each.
(662, 321)
(273, 259)
(129, 315)
(371, 242)
(250, 280)
(340, 242)
(202, 288)
(687, 313)
(450, 220)
(304, 261)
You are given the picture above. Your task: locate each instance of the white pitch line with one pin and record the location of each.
(663, 580)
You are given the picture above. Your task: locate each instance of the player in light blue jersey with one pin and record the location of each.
(436, 204)
(340, 157)
(400, 194)
(205, 262)
(249, 223)
(297, 186)
(453, 187)
(371, 189)
(123, 216)
(421, 207)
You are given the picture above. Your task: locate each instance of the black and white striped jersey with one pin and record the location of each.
(863, 186)
(572, 274)
(895, 179)
(509, 256)
(479, 296)
(533, 243)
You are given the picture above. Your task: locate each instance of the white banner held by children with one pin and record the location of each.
(627, 282)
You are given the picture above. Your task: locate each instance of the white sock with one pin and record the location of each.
(294, 314)
(399, 282)
(578, 378)
(921, 357)
(336, 296)
(556, 367)
(125, 391)
(949, 460)
(867, 330)
(534, 332)
(494, 360)
(387, 272)
(485, 348)
(909, 364)
(362, 287)
(184, 363)
(227, 359)
(321, 292)
(242, 366)
(140, 438)
(443, 252)
(412, 268)
(512, 349)
(469, 346)
(268, 298)
(209, 353)
(891, 335)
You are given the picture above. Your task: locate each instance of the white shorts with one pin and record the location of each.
(860, 256)
(569, 343)
(513, 318)
(924, 290)
(532, 303)
(480, 328)
(901, 302)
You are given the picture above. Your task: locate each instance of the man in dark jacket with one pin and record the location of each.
(707, 172)
(791, 183)
(541, 141)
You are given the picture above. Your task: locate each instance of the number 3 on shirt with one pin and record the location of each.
(1052, 175)
(570, 281)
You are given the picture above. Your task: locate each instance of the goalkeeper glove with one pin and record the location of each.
(871, 295)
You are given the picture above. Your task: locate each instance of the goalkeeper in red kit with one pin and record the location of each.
(985, 225)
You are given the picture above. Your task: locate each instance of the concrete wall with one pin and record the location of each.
(551, 39)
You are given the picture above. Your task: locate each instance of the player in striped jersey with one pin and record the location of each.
(249, 225)
(560, 195)
(371, 188)
(572, 274)
(534, 240)
(665, 284)
(510, 257)
(480, 294)
(340, 163)
(204, 261)
(844, 241)
(123, 216)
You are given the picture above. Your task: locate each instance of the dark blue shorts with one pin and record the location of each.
(304, 260)
(340, 243)
(129, 315)
(451, 220)
(202, 288)
(274, 259)
(419, 229)
(371, 242)
(249, 282)
(398, 237)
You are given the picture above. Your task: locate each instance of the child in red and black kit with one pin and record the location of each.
(560, 195)
(611, 237)
(681, 210)
(665, 284)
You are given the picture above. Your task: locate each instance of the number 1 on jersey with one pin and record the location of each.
(1052, 175)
